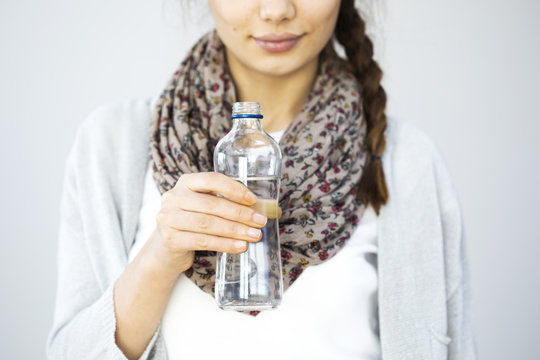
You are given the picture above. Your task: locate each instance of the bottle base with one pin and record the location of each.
(240, 306)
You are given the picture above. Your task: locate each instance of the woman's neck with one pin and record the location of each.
(281, 97)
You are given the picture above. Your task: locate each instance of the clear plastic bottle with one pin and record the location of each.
(251, 280)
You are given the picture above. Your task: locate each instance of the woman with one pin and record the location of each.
(371, 231)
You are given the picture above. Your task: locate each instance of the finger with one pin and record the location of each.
(279, 212)
(221, 207)
(208, 224)
(188, 241)
(207, 182)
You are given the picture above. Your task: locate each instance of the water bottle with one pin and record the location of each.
(251, 280)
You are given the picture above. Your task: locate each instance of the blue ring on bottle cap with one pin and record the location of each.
(257, 116)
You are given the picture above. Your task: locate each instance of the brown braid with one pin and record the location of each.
(350, 32)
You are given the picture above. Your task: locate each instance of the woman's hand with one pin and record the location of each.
(193, 217)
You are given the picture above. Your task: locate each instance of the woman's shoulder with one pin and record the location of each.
(409, 146)
(415, 164)
(403, 135)
(113, 138)
(118, 118)
(114, 128)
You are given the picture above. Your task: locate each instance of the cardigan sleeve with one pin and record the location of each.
(459, 303)
(84, 321)
(460, 317)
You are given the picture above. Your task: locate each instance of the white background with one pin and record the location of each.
(465, 71)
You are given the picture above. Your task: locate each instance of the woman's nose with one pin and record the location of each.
(276, 10)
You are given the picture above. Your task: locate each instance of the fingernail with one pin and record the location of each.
(254, 233)
(259, 218)
(240, 245)
(251, 197)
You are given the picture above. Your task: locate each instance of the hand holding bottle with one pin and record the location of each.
(193, 217)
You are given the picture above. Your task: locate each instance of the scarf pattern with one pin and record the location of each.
(323, 154)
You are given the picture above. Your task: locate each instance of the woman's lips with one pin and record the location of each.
(276, 43)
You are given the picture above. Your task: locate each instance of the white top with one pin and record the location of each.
(330, 312)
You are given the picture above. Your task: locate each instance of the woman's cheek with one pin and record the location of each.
(321, 15)
(232, 13)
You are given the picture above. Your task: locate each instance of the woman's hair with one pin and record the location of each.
(350, 32)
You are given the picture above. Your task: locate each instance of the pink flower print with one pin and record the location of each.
(285, 256)
(204, 263)
(295, 272)
(324, 188)
(323, 254)
(314, 209)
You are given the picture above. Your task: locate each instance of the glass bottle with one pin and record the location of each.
(251, 280)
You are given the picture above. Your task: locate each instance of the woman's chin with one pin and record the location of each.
(275, 64)
(282, 66)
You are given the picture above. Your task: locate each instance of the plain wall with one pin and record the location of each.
(466, 72)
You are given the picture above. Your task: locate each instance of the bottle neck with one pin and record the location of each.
(247, 123)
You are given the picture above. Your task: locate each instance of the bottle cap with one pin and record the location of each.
(247, 109)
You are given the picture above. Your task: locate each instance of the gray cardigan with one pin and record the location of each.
(424, 297)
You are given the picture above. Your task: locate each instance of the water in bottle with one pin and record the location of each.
(251, 280)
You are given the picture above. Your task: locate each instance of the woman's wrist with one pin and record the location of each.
(141, 295)
(157, 261)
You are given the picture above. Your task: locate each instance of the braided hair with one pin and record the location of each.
(350, 32)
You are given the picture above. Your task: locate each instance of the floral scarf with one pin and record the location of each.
(323, 154)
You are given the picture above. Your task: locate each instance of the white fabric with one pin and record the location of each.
(331, 309)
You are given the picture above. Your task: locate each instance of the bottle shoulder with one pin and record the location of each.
(246, 142)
